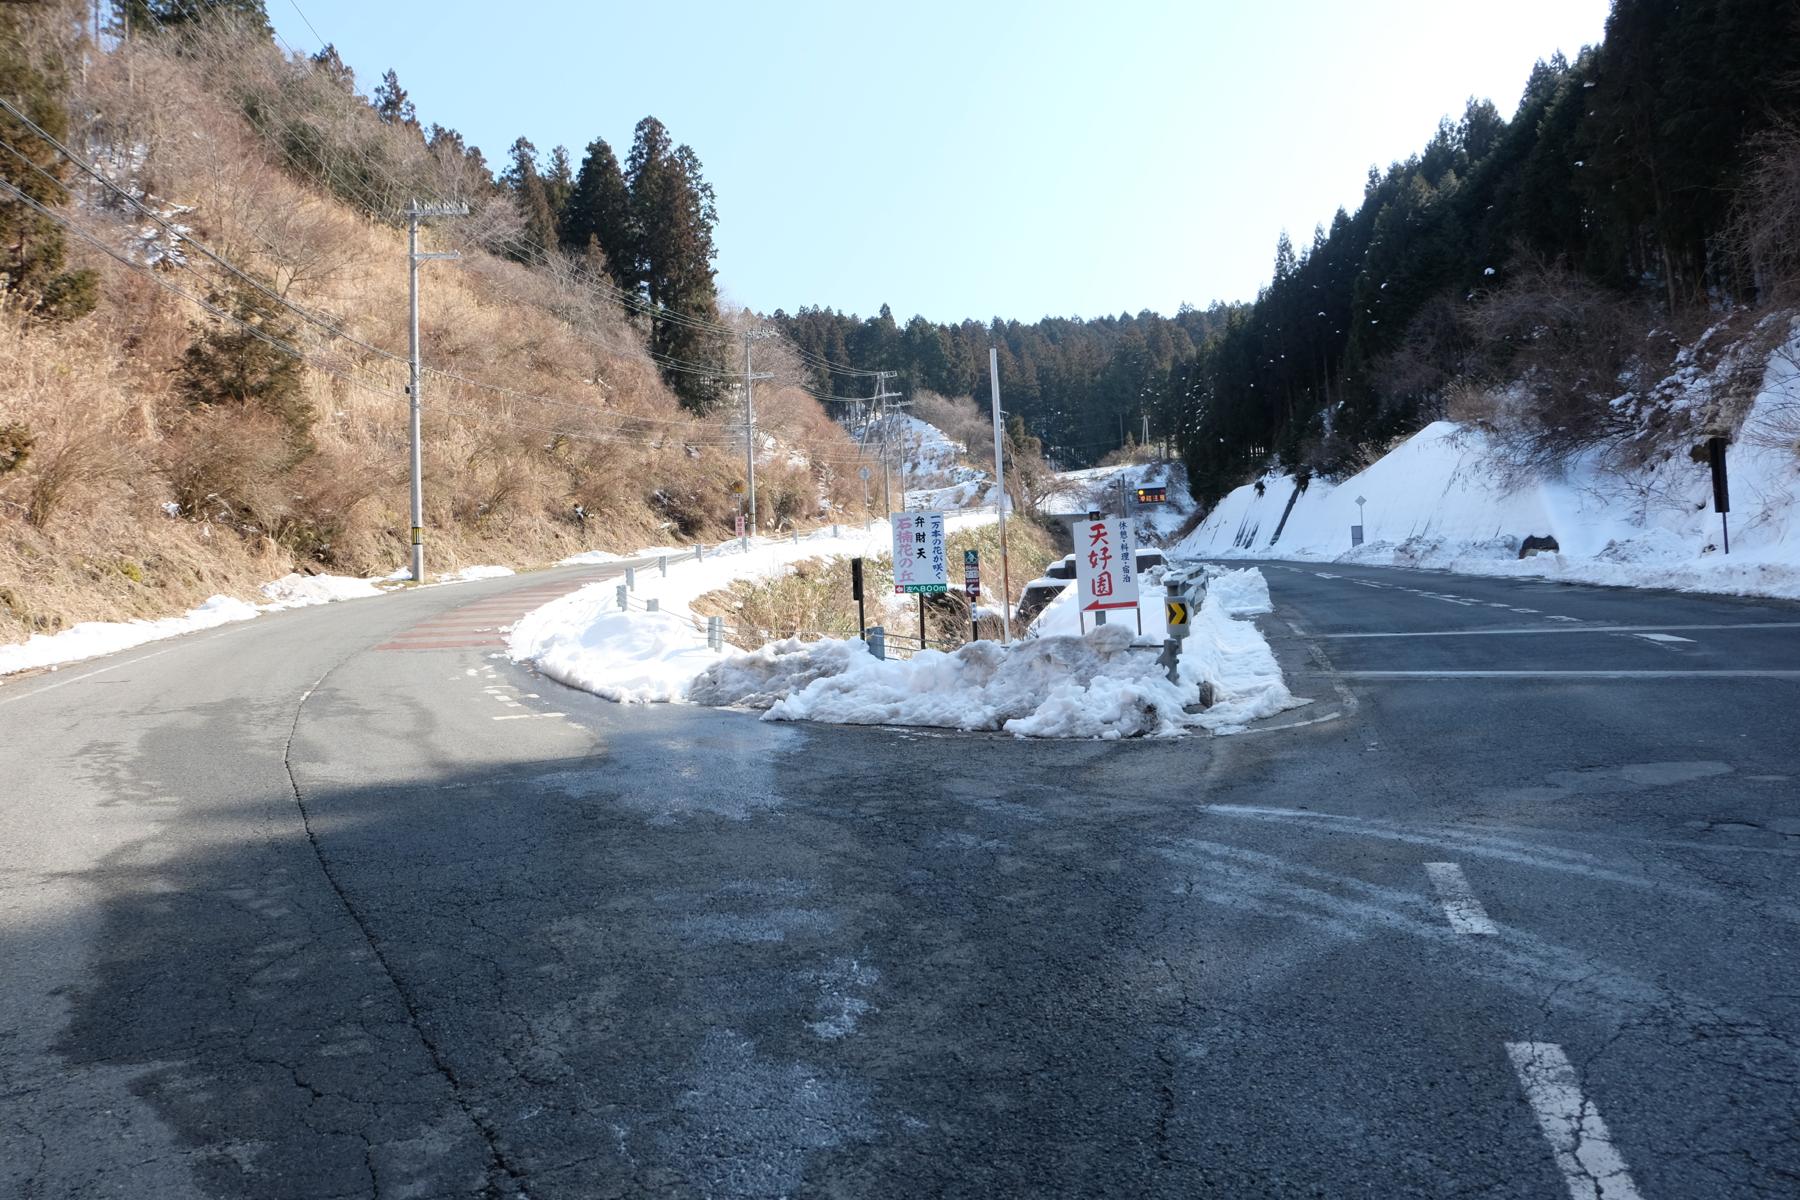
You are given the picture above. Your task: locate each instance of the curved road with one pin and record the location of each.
(340, 903)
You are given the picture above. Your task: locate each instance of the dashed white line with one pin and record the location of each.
(527, 716)
(1458, 898)
(1591, 1166)
(1663, 637)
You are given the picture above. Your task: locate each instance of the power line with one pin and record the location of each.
(180, 237)
(309, 24)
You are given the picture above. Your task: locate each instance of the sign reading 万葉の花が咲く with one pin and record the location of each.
(919, 561)
(1105, 564)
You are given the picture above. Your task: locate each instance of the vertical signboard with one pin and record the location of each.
(1105, 564)
(920, 565)
(972, 575)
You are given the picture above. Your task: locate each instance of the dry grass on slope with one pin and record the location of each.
(132, 499)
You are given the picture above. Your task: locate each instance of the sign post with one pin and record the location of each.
(1715, 457)
(920, 566)
(856, 594)
(1177, 614)
(972, 589)
(1105, 566)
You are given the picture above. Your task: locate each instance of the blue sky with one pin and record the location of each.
(973, 160)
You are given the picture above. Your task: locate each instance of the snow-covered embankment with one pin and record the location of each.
(1448, 498)
(1106, 684)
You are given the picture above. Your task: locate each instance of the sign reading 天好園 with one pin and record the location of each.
(1105, 564)
(920, 565)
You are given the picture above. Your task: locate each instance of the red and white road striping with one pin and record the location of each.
(481, 624)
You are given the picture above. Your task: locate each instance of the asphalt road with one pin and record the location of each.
(340, 903)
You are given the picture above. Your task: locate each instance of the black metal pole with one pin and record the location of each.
(921, 620)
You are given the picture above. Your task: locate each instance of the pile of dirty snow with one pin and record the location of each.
(1096, 686)
(1106, 683)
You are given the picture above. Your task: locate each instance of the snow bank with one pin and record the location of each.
(93, 638)
(586, 641)
(1106, 683)
(1229, 654)
(471, 573)
(1091, 687)
(90, 639)
(1444, 499)
(298, 591)
(626, 657)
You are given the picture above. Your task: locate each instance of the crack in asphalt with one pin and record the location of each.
(497, 1159)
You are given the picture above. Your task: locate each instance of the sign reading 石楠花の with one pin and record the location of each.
(1105, 564)
(920, 564)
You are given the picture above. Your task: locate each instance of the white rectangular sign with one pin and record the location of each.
(1105, 564)
(919, 561)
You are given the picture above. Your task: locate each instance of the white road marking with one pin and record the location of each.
(1559, 617)
(1663, 637)
(1591, 1166)
(1550, 629)
(1458, 898)
(1326, 575)
(526, 716)
(1533, 611)
(1572, 674)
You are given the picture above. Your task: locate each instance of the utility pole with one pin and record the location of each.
(878, 402)
(750, 424)
(1000, 505)
(414, 212)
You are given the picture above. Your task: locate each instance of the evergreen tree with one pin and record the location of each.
(391, 104)
(522, 179)
(333, 67)
(598, 212)
(146, 15)
(559, 182)
(33, 253)
(673, 213)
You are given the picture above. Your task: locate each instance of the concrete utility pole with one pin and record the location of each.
(750, 379)
(414, 212)
(1000, 504)
(878, 403)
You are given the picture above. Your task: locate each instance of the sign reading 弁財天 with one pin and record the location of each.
(920, 565)
(1105, 564)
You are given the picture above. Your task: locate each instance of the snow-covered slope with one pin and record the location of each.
(1445, 498)
(1098, 488)
(937, 473)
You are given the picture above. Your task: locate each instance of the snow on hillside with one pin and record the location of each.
(1098, 488)
(1443, 499)
(937, 475)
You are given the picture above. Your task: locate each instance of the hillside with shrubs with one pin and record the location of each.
(204, 334)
